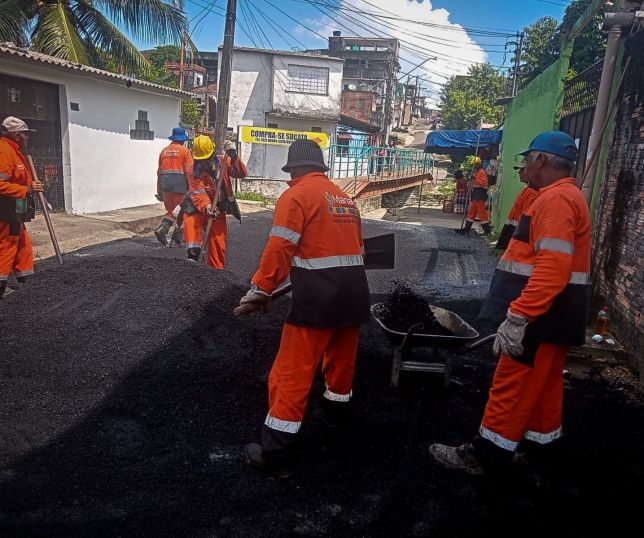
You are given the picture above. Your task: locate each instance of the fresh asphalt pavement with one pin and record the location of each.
(129, 390)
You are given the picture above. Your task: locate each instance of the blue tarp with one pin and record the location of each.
(462, 139)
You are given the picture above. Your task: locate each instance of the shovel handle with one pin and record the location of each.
(477, 344)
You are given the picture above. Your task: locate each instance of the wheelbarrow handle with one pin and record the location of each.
(477, 344)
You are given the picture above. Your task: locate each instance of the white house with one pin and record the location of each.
(99, 133)
(283, 90)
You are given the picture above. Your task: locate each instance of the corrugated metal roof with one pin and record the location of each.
(29, 56)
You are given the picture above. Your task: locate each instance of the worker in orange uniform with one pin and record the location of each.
(16, 203)
(173, 176)
(522, 202)
(477, 201)
(541, 288)
(316, 237)
(198, 204)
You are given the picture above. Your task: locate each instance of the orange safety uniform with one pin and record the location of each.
(478, 198)
(316, 238)
(200, 195)
(544, 277)
(522, 202)
(173, 176)
(15, 244)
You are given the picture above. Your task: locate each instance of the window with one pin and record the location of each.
(272, 126)
(316, 129)
(308, 79)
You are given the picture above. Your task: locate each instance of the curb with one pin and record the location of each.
(142, 225)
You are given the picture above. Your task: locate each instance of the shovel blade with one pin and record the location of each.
(380, 252)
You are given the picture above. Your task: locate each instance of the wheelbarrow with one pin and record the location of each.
(465, 338)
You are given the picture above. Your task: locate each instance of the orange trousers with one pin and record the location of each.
(300, 353)
(15, 253)
(477, 207)
(526, 402)
(194, 223)
(170, 201)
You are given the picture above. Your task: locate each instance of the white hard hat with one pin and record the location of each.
(15, 125)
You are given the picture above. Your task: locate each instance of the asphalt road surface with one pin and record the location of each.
(128, 391)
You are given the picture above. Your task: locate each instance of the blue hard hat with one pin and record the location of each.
(178, 134)
(554, 142)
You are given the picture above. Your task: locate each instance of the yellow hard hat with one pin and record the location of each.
(477, 160)
(202, 147)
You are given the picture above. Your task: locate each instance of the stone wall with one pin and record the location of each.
(618, 270)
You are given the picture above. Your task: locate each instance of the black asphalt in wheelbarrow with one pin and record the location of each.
(465, 338)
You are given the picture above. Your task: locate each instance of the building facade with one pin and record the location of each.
(282, 90)
(99, 134)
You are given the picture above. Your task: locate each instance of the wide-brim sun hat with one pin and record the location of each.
(178, 135)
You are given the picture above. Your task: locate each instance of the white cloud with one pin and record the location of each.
(450, 43)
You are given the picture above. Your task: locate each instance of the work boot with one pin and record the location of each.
(539, 464)
(3, 287)
(161, 231)
(255, 457)
(459, 458)
(335, 414)
(193, 254)
(176, 237)
(487, 228)
(465, 230)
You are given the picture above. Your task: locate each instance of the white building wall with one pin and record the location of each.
(103, 168)
(259, 86)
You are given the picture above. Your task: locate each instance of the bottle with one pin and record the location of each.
(601, 324)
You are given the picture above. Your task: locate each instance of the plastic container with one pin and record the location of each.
(601, 324)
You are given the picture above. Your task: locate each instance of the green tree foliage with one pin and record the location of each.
(543, 39)
(468, 100)
(89, 31)
(165, 53)
(191, 115)
(541, 48)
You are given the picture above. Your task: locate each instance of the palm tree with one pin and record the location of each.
(86, 31)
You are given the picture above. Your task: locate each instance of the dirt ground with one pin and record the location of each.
(128, 392)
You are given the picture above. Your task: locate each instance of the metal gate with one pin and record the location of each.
(578, 110)
(37, 104)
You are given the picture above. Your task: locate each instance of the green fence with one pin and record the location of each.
(534, 110)
(377, 163)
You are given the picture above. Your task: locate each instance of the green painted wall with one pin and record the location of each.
(534, 110)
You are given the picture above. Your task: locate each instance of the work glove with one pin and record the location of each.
(159, 197)
(231, 150)
(256, 298)
(509, 336)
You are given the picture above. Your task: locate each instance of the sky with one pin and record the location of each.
(447, 35)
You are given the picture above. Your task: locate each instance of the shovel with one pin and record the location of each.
(379, 253)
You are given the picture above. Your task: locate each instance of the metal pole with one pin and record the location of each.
(601, 111)
(221, 120)
(517, 64)
(181, 60)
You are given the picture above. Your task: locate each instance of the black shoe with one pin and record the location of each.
(3, 287)
(462, 231)
(161, 231)
(254, 457)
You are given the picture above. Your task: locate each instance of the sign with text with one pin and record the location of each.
(280, 137)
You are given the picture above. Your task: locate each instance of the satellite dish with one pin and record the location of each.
(353, 87)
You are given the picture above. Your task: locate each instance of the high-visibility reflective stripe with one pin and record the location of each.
(497, 439)
(328, 262)
(287, 426)
(579, 278)
(198, 191)
(556, 245)
(526, 269)
(4, 278)
(484, 222)
(172, 172)
(511, 222)
(24, 273)
(517, 268)
(4, 176)
(335, 397)
(285, 233)
(193, 245)
(543, 438)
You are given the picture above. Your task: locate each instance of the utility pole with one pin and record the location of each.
(517, 64)
(181, 59)
(416, 94)
(389, 84)
(226, 62)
